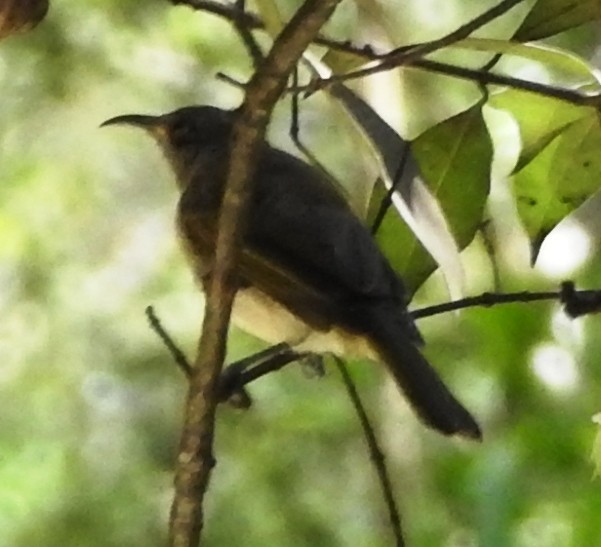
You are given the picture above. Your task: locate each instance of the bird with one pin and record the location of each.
(310, 273)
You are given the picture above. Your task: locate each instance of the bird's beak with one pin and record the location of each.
(155, 125)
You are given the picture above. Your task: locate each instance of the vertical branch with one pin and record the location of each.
(195, 459)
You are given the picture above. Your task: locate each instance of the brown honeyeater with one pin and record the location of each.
(310, 273)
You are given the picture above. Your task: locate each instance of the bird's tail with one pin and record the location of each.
(420, 383)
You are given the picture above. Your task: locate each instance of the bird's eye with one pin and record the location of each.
(183, 133)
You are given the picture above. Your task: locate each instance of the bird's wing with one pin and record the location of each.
(305, 247)
(270, 274)
(304, 229)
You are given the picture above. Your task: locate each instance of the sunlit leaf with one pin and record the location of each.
(552, 57)
(549, 17)
(540, 119)
(559, 179)
(343, 61)
(271, 17)
(454, 159)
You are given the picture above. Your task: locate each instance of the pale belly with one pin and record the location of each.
(259, 315)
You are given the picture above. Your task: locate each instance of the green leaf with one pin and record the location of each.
(340, 62)
(551, 57)
(549, 17)
(454, 158)
(396, 240)
(559, 179)
(271, 16)
(540, 119)
(596, 451)
(412, 200)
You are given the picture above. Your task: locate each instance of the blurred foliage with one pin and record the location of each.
(91, 402)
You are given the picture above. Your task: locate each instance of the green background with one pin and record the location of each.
(91, 403)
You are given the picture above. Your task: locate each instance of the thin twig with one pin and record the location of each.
(275, 362)
(474, 75)
(232, 81)
(178, 355)
(239, 373)
(246, 35)
(375, 454)
(405, 55)
(235, 377)
(413, 56)
(576, 303)
(486, 299)
(490, 78)
(387, 199)
(295, 136)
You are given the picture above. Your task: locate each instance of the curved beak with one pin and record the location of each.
(153, 124)
(137, 120)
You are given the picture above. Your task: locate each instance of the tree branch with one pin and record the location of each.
(482, 77)
(234, 379)
(408, 56)
(195, 459)
(576, 303)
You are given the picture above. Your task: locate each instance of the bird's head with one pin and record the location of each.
(185, 133)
